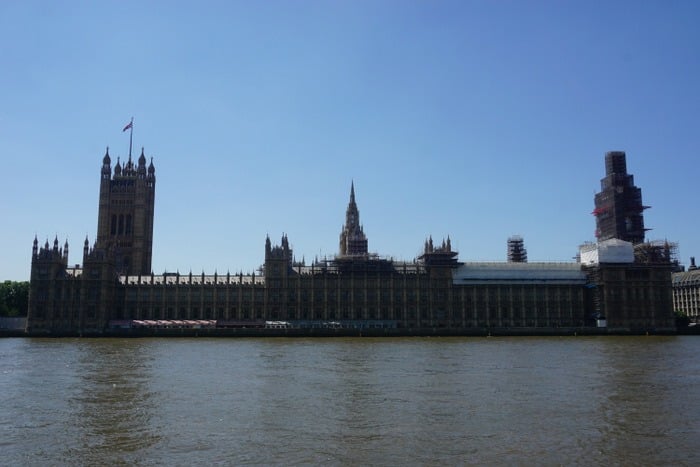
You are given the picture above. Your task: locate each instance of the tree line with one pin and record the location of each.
(14, 298)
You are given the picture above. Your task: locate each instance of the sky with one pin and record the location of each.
(476, 120)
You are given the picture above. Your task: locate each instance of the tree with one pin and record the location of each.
(14, 298)
(682, 320)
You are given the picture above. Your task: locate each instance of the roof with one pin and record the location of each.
(519, 273)
(686, 279)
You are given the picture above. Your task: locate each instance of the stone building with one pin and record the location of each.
(686, 292)
(116, 287)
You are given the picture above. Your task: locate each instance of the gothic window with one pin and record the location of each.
(113, 230)
(128, 224)
(121, 224)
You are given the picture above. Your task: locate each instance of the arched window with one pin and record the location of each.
(128, 224)
(113, 229)
(121, 224)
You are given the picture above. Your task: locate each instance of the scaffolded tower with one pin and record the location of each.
(618, 206)
(516, 250)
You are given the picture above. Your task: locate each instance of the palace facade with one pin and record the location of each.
(115, 287)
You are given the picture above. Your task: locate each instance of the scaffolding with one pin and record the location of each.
(516, 250)
(656, 251)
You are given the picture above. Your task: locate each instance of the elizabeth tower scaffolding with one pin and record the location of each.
(618, 206)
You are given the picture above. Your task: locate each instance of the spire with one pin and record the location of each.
(35, 246)
(352, 215)
(118, 168)
(352, 238)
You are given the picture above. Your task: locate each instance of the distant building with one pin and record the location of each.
(516, 250)
(686, 292)
(115, 287)
(618, 205)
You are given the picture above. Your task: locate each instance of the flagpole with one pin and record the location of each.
(131, 135)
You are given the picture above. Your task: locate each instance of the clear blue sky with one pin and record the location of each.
(474, 119)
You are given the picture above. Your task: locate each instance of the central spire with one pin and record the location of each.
(353, 241)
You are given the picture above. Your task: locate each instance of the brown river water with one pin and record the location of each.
(351, 401)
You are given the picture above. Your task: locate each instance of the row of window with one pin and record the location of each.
(121, 224)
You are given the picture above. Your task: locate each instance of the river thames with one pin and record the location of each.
(355, 401)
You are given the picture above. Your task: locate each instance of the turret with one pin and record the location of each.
(86, 249)
(439, 256)
(278, 259)
(48, 278)
(141, 171)
(106, 165)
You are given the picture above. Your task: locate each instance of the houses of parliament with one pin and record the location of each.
(618, 283)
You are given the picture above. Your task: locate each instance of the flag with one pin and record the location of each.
(128, 125)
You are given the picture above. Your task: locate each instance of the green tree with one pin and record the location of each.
(14, 298)
(682, 320)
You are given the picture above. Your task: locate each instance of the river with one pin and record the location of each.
(351, 401)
